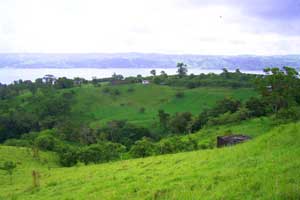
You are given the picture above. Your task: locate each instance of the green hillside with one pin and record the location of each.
(93, 105)
(265, 168)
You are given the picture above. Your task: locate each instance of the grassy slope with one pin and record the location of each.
(264, 168)
(93, 104)
(25, 164)
(253, 128)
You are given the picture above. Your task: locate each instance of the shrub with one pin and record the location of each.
(181, 122)
(106, 90)
(9, 167)
(46, 142)
(100, 152)
(256, 106)
(179, 94)
(116, 92)
(176, 144)
(142, 110)
(228, 117)
(131, 89)
(227, 105)
(17, 143)
(68, 156)
(290, 114)
(142, 148)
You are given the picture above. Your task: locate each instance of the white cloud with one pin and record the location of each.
(164, 26)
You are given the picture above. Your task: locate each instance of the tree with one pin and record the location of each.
(227, 104)
(225, 73)
(100, 152)
(237, 71)
(87, 136)
(176, 144)
(163, 119)
(279, 87)
(182, 69)
(256, 106)
(142, 148)
(181, 123)
(64, 82)
(117, 76)
(9, 167)
(163, 74)
(68, 156)
(153, 72)
(46, 142)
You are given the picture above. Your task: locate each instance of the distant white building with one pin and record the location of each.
(145, 82)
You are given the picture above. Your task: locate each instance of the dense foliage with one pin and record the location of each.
(39, 114)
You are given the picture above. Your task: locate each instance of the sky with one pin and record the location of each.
(208, 27)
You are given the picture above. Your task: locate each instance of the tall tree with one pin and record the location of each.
(280, 87)
(153, 72)
(181, 69)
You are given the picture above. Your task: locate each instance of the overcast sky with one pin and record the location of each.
(227, 27)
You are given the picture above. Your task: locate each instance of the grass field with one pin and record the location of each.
(265, 168)
(253, 128)
(97, 107)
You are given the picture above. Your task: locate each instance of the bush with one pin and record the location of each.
(181, 123)
(142, 110)
(68, 156)
(101, 152)
(179, 94)
(106, 90)
(143, 148)
(17, 143)
(176, 144)
(46, 142)
(9, 167)
(228, 117)
(257, 107)
(116, 92)
(290, 114)
(119, 131)
(130, 89)
(227, 105)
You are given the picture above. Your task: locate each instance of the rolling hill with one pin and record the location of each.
(265, 168)
(93, 105)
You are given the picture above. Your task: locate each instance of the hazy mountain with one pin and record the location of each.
(140, 60)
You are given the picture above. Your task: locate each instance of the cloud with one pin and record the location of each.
(270, 9)
(279, 16)
(168, 26)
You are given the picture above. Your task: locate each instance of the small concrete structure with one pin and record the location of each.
(229, 140)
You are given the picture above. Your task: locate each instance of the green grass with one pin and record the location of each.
(25, 164)
(265, 168)
(98, 108)
(252, 127)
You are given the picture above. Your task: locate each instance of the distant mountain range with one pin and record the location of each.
(141, 60)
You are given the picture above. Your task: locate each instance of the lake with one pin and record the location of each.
(8, 75)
